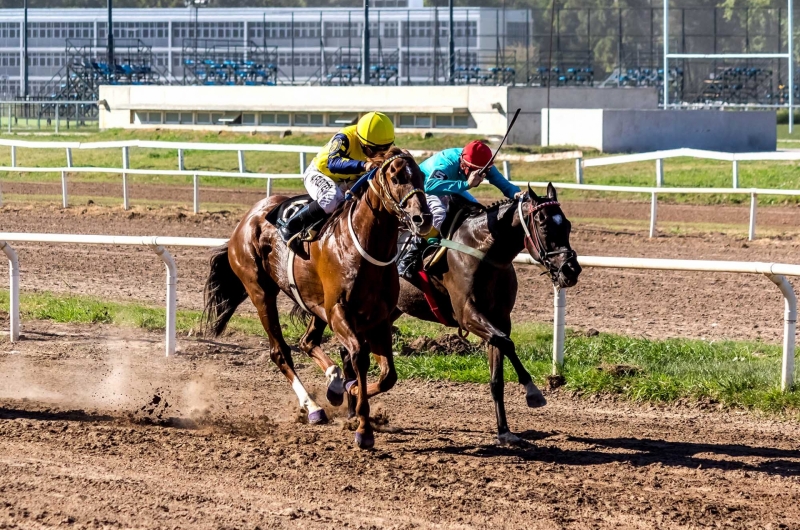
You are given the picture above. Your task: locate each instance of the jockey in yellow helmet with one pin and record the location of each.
(338, 166)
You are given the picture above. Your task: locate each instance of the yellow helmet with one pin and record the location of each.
(375, 129)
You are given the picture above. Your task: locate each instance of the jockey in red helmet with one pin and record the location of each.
(453, 172)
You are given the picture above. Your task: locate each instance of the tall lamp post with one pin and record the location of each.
(110, 36)
(452, 45)
(196, 4)
(365, 47)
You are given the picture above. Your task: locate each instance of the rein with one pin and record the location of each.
(532, 234)
(383, 194)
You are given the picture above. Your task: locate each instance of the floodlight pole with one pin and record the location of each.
(790, 43)
(25, 50)
(665, 83)
(110, 37)
(365, 47)
(452, 45)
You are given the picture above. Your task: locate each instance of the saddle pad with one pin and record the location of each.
(287, 208)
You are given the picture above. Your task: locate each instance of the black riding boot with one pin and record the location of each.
(308, 216)
(409, 262)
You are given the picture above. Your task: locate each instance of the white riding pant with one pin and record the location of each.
(323, 189)
(438, 207)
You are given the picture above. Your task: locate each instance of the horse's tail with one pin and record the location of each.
(223, 293)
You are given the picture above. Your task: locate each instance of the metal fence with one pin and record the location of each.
(48, 116)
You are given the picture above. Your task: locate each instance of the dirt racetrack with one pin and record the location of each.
(99, 430)
(644, 303)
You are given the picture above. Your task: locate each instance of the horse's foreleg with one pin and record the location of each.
(350, 377)
(310, 344)
(359, 356)
(533, 396)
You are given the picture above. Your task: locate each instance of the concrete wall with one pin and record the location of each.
(533, 99)
(489, 107)
(616, 131)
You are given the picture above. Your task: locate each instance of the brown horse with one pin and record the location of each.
(477, 293)
(348, 280)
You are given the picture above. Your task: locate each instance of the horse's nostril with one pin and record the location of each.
(417, 219)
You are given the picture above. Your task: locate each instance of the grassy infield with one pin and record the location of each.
(736, 374)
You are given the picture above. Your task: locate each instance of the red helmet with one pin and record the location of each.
(476, 154)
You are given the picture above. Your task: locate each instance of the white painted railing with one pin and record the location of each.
(154, 242)
(776, 272)
(655, 192)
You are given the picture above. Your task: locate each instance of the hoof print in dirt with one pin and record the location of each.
(555, 381)
(446, 344)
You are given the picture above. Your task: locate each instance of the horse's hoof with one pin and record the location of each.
(365, 441)
(509, 438)
(318, 417)
(334, 398)
(534, 396)
(535, 400)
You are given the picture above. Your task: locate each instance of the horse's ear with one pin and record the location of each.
(531, 193)
(551, 192)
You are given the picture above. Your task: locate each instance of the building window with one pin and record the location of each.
(274, 119)
(342, 120)
(203, 118)
(248, 119)
(178, 118)
(448, 120)
(151, 117)
(417, 121)
(309, 120)
(215, 117)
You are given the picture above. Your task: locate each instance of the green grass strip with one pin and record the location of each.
(730, 373)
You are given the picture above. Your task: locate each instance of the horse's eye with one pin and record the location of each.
(395, 181)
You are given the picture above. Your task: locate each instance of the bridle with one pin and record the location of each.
(532, 227)
(378, 185)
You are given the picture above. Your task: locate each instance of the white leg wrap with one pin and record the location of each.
(305, 400)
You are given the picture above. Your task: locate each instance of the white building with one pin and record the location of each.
(306, 44)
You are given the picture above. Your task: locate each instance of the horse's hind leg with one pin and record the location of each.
(263, 293)
(310, 344)
(380, 343)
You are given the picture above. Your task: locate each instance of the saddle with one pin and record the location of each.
(285, 210)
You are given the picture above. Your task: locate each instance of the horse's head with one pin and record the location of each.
(399, 184)
(547, 232)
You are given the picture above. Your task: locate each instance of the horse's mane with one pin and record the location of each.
(345, 206)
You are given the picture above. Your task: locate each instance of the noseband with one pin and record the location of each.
(532, 229)
(380, 187)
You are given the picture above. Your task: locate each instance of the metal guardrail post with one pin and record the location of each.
(69, 157)
(559, 317)
(126, 164)
(735, 173)
(242, 167)
(13, 274)
(64, 202)
(9, 118)
(506, 170)
(1, 194)
(579, 170)
(660, 172)
(789, 330)
(196, 193)
(653, 214)
(269, 187)
(180, 159)
(751, 234)
(172, 297)
(13, 156)
(57, 110)
(303, 164)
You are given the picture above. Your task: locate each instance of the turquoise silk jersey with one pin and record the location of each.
(443, 176)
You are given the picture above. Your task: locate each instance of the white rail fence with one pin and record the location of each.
(776, 272)
(303, 151)
(655, 192)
